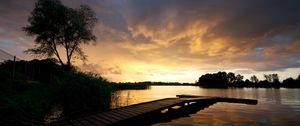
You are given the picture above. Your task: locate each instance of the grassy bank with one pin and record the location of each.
(38, 89)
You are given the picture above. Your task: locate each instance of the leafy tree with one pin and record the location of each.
(272, 78)
(254, 79)
(224, 80)
(291, 83)
(268, 77)
(55, 25)
(288, 80)
(275, 78)
(213, 80)
(231, 77)
(220, 79)
(239, 78)
(247, 81)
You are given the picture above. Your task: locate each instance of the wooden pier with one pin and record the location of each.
(145, 111)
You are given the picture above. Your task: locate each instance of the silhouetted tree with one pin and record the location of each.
(288, 80)
(54, 25)
(220, 79)
(223, 79)
(254, 79)
(268, 78)
(247, 82)
(272, 78)
(291, 83)
(40, 70)
(213, 80)
(231, 77)
(239, 78)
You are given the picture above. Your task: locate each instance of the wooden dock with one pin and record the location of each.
(145, 111)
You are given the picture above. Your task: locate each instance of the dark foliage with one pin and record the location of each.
(219, 80)
(131, 86)
(291, 83)
(34, 70)
(55, 25)
(41, 85)
(225, 80)
(80, 92)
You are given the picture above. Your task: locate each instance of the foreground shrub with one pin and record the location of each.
(81, 92)
(23, 101)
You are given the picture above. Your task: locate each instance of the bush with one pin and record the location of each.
(75, 92)
(37, 70)
(41, 85)
(27, 101)
(81, 92)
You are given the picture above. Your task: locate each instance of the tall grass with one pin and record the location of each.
(39, 87)
(75, 92)
(81, 92)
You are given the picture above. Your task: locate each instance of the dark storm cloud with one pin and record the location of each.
(273, 25)
(239, 19)
(258, 17)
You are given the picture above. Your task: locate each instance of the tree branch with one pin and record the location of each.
(56, 52)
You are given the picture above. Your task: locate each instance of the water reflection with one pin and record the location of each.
(240, 115)
(275, 106)
(275, 96)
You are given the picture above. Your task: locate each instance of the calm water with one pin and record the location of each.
(275, 106)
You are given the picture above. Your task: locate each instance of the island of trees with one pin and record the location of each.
(225, 80)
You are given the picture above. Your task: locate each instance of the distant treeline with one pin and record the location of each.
(224, 80)
(156, 83)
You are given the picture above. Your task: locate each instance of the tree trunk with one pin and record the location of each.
(69, 66)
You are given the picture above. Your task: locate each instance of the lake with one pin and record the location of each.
(276, 107)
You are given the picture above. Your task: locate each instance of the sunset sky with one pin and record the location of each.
(176, 40)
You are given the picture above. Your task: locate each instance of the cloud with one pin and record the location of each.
(226, 34)
(204, 35)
